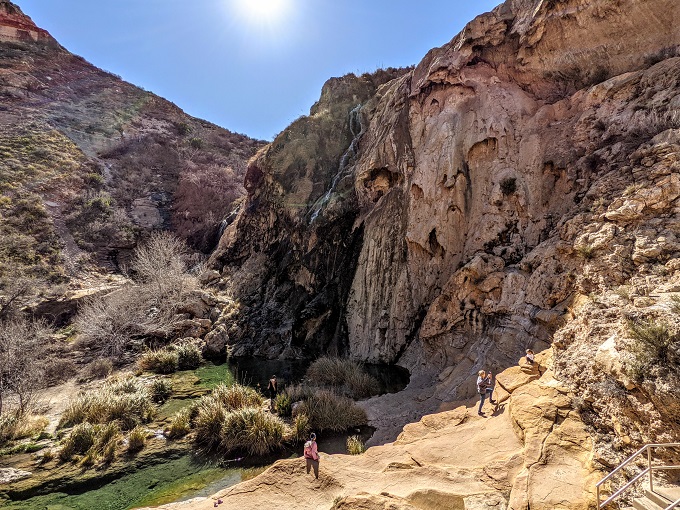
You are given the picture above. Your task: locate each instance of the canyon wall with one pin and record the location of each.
(454, 215)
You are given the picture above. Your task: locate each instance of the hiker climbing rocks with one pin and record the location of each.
(273, 390)
(484, 387)
(311, 455)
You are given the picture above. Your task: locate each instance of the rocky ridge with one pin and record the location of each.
(91, 163)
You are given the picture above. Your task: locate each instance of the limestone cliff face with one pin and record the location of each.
(471, 207)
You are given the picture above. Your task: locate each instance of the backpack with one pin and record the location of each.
(308, 450)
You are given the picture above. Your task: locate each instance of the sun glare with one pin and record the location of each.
(262, 12)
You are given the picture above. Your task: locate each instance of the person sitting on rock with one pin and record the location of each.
(484, 386)
(530, 356)
(311, 455)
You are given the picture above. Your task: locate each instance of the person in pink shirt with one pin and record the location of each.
(312, 455)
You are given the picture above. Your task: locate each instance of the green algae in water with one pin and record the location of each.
(210, 375)
(162, 483)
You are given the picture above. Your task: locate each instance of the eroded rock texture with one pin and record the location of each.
(448, 217)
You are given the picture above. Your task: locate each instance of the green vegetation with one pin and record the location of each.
(329, 411)
(656, 345)
(283, 404)
(188, 356)
(585, 251)
(300, 429)
(355, 446)
(124, 400)
(251, 430)
(163, 361)
(344, 376)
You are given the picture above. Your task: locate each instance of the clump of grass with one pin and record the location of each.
(162, 361)
(208, 423)
(79, 442)
(124, 400)
(345, 376)
(212, 410)
(284, 404)
(585, 251)
(674, 305)
(136, 439)
(328, 411)
(188, 356)
(237, 396)
(355, 446)
(300, 429)
(251, 430)
(180, 425)
(160, 389)
(20, 426)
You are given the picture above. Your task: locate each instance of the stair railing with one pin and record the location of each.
(673, 505)
(648, 471)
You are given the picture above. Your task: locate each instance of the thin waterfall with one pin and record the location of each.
(356, 127)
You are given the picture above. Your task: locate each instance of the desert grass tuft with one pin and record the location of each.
(328, 411)
(345, 376)
(162, 361)
(137, 439)
(125, 400)
(355, 446)
(180, 425)
(284, 404)
(251, 430)
(188, 356)
(160, 390)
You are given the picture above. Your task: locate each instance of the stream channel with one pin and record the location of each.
(182, 475)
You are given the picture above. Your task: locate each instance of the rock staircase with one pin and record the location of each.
(656, 497)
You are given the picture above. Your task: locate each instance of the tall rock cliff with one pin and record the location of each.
(449, 216)
(90, 162)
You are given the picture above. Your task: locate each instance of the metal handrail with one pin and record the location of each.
(650, 470)
(673, 505)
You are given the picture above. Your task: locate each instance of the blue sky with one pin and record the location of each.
(251, 66)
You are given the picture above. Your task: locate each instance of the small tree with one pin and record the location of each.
(21, 347)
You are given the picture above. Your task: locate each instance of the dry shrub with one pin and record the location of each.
(79, 442)
(99, 369)
(328, 411)
(203, 197)
(58, 371)
(22, 345)
(146, 308)
(18, 425)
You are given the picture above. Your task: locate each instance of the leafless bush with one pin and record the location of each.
(21, 345)
(146, 307)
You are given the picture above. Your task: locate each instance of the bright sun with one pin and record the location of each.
(262, 12)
